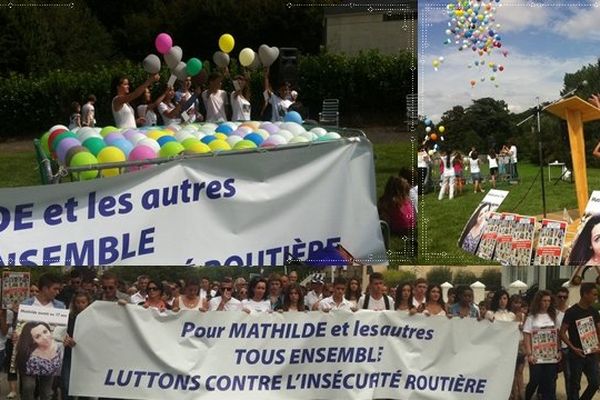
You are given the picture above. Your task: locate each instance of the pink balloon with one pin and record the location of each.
(139, 153)
(163, 43)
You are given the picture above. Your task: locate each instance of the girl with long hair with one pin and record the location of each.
(293, 299)
(586, 249)
(404, 298)
(434, 303)
(395, 206)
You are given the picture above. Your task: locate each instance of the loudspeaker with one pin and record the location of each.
(288, 65)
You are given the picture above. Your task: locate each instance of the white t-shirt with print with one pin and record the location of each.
(215, 105)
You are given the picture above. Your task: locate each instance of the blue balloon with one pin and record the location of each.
(226, 129)
(125, 146)
(254, 137)
(293, 116)
(165, 139)
(427, 121)
(207, 139)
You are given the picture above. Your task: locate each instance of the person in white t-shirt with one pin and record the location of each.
(493, 161)
(513, 159)
(376, 300)
(419, 291)
(146, 115)
(336, 301)
(542, 376)
(225, 300)
(240, 99)
(215, 99)
(88, 112)
(279, 101)
(475, 171)
(257, 297)
(122, 111)
(169, 112)
(448, 177)
(315, 294)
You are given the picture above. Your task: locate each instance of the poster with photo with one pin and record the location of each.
(476, 225)
(39, 349)
(587, 334)
(522, 243)
(581, 253)
(550, 243)
(488, 238)
(505, 238)
(15, 287)
(544, 343)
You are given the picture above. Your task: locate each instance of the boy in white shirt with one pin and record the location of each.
(215, 99)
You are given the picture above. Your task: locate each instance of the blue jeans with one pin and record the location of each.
(587, 365)
(566, 370)
(543, 378)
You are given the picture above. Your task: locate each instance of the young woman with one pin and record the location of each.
(146, 115)
(353, 293)
(516, 306)
(448, 175)
(471, 236)
(542, 377)
(500, 308)
(464, 306)
(493, 162)
(80, 301)
(475, 171)
(458, 167)
(434, 303)
(240, 99)
(257, 296)
(155, 300)
(423, 162)
(190, 299)
(395, 206)
(293, 299)
(169, 112)
(75, 119)
(586, 249)
(121, 109)
(404, 298)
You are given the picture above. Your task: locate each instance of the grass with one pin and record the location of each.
(19, 168)
(444, 221)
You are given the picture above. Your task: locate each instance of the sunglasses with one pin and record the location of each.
(563, 297)
(108, 287)
(153, 288)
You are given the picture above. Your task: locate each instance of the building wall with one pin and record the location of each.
(350, 33)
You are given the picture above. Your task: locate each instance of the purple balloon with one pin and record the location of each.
(271, 128)
(129, 134)
(64, 146)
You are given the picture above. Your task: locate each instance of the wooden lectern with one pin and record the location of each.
(576, 112)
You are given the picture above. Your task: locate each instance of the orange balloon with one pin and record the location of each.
(433, 137)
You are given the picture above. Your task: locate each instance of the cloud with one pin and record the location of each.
(581, 24)
(518, 15)
(526, 77)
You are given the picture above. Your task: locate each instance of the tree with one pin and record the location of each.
(394, 277)
(491, 278)
(439, 275)
(464, 277)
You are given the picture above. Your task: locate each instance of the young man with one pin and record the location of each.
(142, 286)
(419, 292)
(336, 301)
(68, 291)
(226, 301)
(580, 362)
(315, 294)
(278, 100)
(375, 299)
(215, 99)
(88, 112)
(109, 290)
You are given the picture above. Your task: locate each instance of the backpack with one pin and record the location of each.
(386, 300)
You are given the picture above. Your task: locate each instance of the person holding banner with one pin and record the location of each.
(225, 300)
(336, 301)
(404, 298)
(464, 307)
(375, 299)
(258, 300)
(123, 112)
(190, 299)
(582, 322)
(541, 347)
(434, 304)
(500, 308)
(155, 300)
(353, 292)
(293, 299)
(586, 249)
(81, 300)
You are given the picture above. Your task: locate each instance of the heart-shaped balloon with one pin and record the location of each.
(221, 59)
(267, 54)
(151, 64)
(180, 71)
(173, 56)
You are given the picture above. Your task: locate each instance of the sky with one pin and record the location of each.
(545, 39)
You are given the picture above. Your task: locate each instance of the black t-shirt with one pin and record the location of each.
(572, 315)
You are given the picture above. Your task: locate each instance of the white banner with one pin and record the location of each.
(233, 209)
(136, 353)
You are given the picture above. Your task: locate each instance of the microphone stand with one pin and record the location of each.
(538, 110)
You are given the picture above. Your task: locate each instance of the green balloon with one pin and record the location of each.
(72, 151)
(44, 143)
(83, 159)
(60, 137)
(244, 144)
(94, 145)
(193, 66)
(171, 149)
(187, 143)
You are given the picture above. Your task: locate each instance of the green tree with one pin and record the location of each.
(464, 277)
(491, 278)
(439, 275)
(394, 277)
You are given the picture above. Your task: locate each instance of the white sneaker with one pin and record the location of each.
(11, 395)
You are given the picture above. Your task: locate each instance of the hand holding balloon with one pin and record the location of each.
(595, 100)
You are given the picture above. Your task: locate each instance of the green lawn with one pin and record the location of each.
(19, 168)
(444, 221)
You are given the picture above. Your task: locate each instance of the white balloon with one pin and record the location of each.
(151, 64)
(173, 56)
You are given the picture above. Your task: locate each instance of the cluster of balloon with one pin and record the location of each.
(247, 57)
(172, 56)
(431, 135)
(472, 25)
(88, 146)
(226, 44)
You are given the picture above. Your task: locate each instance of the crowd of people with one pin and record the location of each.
(190, 101)
(32, 354)
(453, 164)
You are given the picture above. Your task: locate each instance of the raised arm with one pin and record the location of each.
(120, 100)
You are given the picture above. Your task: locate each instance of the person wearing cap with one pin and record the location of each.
(240, 99)
(316, 293)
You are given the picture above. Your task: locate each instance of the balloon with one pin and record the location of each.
(171, 149)
(111, 154)
(113, 137)
(226, 43)
(233, 139)
(72, 151)
(433, 137)
(441, 129)
(274, 140)
(155, 134)
(254, 137)
(427, 121)
(267, 55)
(53, 135)
(150, 143)
(83, 159)
(124, 145)
(44, 143)
(180, 71)
(219, 145)
(428, 129)
(165, 139)
(221, 59)
(193, 66)
(151, 64)
(208, 138)
(244, 145)
(246, 57)
(198, 148)
(226, 129)
(141, 152)
(94, 145)
(107, 129)
(60, 137)
(173, 56)
(64, 146)
(163, 43)
(293, 116)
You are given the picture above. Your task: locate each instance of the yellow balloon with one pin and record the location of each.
(221, 136)
(441, 129)
(247, 57)
(226, 43)
(111, 154)
(219, 145)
